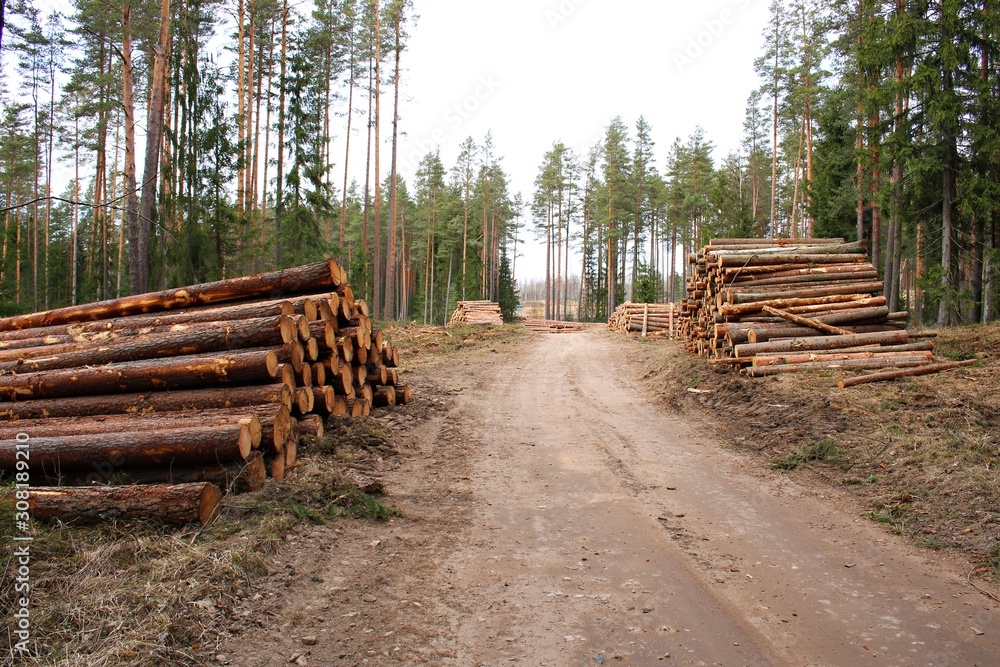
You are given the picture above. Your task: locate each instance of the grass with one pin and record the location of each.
(824, 450)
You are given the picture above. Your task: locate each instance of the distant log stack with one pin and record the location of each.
(477, 312)
(770, 306)
(652, 320)
(145, 406)
(552, 326)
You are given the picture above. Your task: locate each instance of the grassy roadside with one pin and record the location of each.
(920, 453)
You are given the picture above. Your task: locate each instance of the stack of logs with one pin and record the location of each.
(477, 312)
(778, 305)
(552, 326)
(654, 320)
(143, 406)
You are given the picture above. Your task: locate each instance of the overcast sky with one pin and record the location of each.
(538, 71)
(534, 72)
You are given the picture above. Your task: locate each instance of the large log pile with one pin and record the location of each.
(477, 312)
(552, 326)
(653, 320)
(773, 306)
(178, 393)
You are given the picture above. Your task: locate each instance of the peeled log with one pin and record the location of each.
(181, 340)
(133, 449)
(806, 322)
(823, 342)
(309, 278)
(176, 504)
(146, 375)
(166, 401)
(907, 372)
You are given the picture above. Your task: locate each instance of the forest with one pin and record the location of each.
(869, 119)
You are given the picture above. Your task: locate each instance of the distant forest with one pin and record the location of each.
(874, 120)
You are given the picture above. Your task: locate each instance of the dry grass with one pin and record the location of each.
(137, 594)
(422, 345)
(921, 453)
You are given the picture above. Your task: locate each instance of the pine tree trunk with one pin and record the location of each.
(377, 231)
(279, 204)
(138, 267)
(154, 139)
(388, 311)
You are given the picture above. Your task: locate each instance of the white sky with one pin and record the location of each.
(539, 71)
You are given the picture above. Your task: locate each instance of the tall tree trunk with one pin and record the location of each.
(154, 140)
(138, 261)
(388, 312)
(347, 145)
(279, 204)
(377, 231)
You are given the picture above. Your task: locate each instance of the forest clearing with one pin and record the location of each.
(396, 332)
(675, 510)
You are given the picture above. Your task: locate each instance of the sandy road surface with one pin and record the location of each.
(584, 525)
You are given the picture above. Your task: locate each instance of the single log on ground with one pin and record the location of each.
(309, 278)
(133, 449)
(176, 504)
(403, 394)
(151, 374)
(166, 401)
(908, 372)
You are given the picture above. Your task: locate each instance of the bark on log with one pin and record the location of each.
(139, 323)
(384, 397)
(152, 374)
(309, 278)
(745, 308)
(176, 504)
(311, 425)
(167, 401)
(182, 340)
(324, 400)
(239, 477)
(908, 372)
(132, 449)
(782, 259)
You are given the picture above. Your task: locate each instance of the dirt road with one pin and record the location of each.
(558, 517)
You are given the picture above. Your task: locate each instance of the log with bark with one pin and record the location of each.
(175, 504)
(191, 445)
(309, 278)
